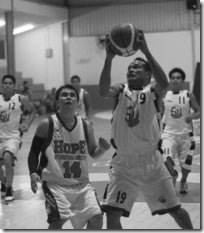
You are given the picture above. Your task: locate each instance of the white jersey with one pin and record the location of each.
(10, 116)
(80, 110)
(135, 127)
(67, 155)
(177, 108)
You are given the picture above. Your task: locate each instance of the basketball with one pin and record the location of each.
(123, 39)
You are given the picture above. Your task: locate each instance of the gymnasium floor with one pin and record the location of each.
(27, 211)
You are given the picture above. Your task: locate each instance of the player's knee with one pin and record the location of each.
(182, 217)
(96, 222)
(178, 213)
(8, 159)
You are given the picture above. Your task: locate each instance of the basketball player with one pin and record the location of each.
(69, 139)
(10, 126)
(84, 108)
(177, 133)
(137, 165)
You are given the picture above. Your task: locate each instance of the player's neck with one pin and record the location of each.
(69, 120)
(7, 96)
(132, 88)
(176, 91)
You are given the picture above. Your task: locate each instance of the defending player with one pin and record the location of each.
(84, 108)
(137, 165)
(177, 136)
(65, 142)
(11, 105)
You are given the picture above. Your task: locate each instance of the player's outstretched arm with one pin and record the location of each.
(158, 73)
(105, 78)
(96, 149)
(88, 107)
(196, 108)
(36, 147)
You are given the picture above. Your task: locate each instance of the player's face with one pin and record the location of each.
(68, 98)
(176, 81)
(76, 83)
(8, 86)
(137, 76)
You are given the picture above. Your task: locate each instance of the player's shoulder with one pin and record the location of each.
(21, 97)
(117, 88)
(43, 127)
(85, 92)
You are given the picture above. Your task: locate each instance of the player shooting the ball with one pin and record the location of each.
(137, 164)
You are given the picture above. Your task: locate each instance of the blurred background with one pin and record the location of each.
(45, 42)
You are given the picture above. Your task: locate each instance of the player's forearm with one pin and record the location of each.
(105, 78)
(97, 152)
(195, 116)
(33, 156)
(88, 111)
(31, 118)
(157, 71)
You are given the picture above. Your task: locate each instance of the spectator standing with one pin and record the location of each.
(84, 108)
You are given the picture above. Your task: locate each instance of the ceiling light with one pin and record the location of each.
(23, 28)
(2, 23)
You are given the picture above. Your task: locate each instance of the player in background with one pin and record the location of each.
(11, 105)
(178, 139)
(138, 165)
(84, 108)
(63, 168)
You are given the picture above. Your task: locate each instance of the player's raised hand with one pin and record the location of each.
(109, 52)
(142, 42)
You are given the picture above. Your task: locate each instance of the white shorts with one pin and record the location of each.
(12, 145)
(77, 203)
(145, 174)
(178, 146)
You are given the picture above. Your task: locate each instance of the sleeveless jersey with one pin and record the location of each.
(177, 107)
(10, 116)
(66, 155)
(80, 110)
(135, 126)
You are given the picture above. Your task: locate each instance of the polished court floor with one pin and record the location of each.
(27, 211)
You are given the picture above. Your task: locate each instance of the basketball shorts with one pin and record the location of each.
(11, 145)
(144, 178)
(180, 147)
(77, 203)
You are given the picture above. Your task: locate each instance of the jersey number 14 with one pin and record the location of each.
(72, 171)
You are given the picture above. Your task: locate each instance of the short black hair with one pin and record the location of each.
(75, 77)
(177, 70)
(9, 76)
(147, 66)
(57, 94)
